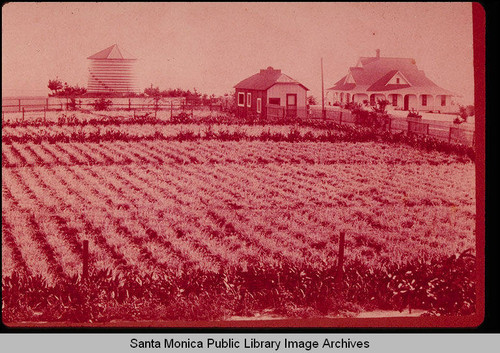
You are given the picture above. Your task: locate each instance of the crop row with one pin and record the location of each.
(441, 286)
(233, 133)
(154, 215)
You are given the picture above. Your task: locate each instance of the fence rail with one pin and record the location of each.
(443, 130)
(39, 111)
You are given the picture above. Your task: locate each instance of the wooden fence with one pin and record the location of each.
(39, 109)
(442, 130)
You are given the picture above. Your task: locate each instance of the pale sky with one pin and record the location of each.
(213, 46)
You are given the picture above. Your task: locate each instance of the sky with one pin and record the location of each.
(213, 46)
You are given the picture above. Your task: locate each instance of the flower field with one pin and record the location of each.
(153, 207)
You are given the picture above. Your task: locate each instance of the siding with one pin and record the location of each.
(281, 90)
(243, 111)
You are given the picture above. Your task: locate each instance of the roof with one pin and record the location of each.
(265, 79)
(113, 52)
(374, 73)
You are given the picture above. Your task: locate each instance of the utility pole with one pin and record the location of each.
(322, 92)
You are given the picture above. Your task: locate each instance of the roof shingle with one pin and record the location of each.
(375, 73)
(266, 79)
(113, 52)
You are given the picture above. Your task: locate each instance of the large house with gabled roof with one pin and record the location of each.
(397, 80)
(270, 91)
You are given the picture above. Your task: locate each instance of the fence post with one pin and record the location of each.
(428, 129)
(171, 109)
(47, 103)
(44, 113)
(340, 121)
(449, 135)
(129, 105)
(340, 263)
(19, 104)
(23, 114)
(85, 256)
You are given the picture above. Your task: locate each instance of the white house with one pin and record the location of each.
(397, 80)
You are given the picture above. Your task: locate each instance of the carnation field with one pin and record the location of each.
(208, 228)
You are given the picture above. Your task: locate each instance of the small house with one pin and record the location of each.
(270, 93)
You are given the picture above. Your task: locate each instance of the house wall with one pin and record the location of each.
(281, 90)
(415, 100)
(245, 110)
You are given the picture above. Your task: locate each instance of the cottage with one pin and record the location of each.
(397, 80)
(271, 93)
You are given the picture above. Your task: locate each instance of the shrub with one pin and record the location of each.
(102, 103)
(181, 118)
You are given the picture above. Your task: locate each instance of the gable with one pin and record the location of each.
(349, 78)
(398, 79)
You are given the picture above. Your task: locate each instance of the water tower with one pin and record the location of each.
(112, 71)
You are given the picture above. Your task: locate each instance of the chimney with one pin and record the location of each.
(269, 69)
(378, 53)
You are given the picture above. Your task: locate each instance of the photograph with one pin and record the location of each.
(292, 164)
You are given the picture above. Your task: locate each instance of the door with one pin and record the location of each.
(291, 105)
(406, 103)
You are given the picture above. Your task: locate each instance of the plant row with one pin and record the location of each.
(444, 286)
(148, 117)
(340, 133)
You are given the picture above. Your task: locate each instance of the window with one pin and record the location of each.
(259, 105)
(397, 80)
(249, 99)
(394, 100)
(443, 101)
(274, 101)
(424, 100)
(241, 99)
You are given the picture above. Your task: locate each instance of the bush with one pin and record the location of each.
(102, 103)
(182, 118)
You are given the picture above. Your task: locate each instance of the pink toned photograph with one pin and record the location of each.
(242, 165)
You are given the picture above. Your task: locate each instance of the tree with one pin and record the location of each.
(55, 86)
(463, 113)
(381, 105)
(152, 92)
(311, 100)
